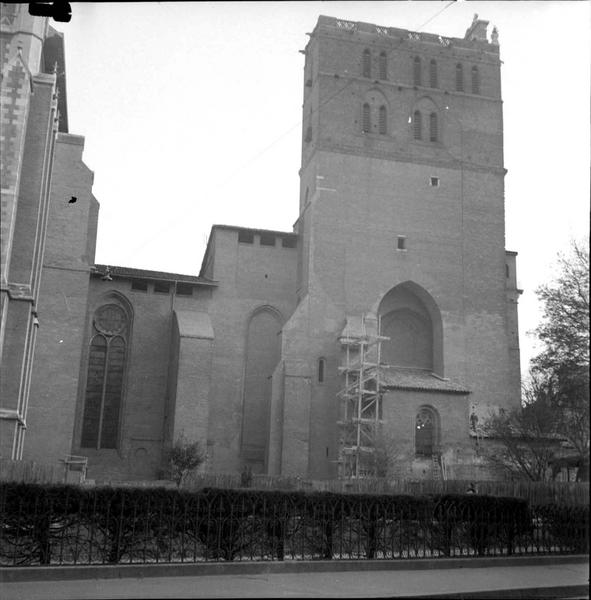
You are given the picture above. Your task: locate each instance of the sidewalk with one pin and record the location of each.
(545, 579)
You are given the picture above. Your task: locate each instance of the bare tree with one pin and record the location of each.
(387, 458)
(523, 442)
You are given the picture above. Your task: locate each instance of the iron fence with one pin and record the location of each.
(68, 525)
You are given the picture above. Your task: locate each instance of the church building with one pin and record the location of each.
(373, 339)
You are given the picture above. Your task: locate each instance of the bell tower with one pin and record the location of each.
(402, 182)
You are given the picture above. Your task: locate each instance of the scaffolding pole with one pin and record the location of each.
(360, 398)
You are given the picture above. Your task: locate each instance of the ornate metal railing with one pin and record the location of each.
(65, 525)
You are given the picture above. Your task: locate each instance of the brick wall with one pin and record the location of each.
(62, 305)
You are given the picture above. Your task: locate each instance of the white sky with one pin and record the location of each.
(192, 117)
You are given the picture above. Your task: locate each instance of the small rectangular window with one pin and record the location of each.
(139, 285)
(401, 243)
(161, 287)
(245, 237)
(267, 239)
(434, 181)
(289, 242)
(184, 289)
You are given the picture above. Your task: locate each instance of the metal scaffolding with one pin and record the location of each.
(360, 414)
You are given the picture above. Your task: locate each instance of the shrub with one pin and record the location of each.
(183, 458)
(63, 524)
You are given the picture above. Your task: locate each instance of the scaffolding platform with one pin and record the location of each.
(360, 411)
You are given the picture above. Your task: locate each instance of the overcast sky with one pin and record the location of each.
(192, 117)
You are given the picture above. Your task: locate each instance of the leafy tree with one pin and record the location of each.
(555, 407)
(183, 458)
(564, 330)
(563, 365)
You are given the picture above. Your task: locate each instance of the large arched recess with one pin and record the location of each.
(411, 318)
(263, 350)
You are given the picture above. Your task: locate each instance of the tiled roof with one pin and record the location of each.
(418, 379)
(129, 273)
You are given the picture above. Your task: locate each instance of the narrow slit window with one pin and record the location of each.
(366, 63)
(433, 79)
(433, 128)
(366, 120)
(321, 369)
(459, 78)
(401, 243)
(417, 125)
(383, 120)
(383, 66)
(416, 71)
(475, 80)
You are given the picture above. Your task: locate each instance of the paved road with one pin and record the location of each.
(375, 584)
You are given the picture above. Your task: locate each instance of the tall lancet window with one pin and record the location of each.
(433, 80)
(104, 383)
(475, 80)
(366, 118)
(416, 71)
(366, 63)
(383, 66)
(383, 120)
(433, 128)
(459, 78)
(417, 125)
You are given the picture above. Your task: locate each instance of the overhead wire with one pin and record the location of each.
(230, 178)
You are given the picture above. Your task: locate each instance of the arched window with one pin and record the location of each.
(475, 80)
(366, 63)
(433, 128)
(104, 382)
(366, 121)
(321, 369)
(416, 72)
(426, 429)
(383, 66)
(417, 125)
(433, 81)
(459, 78)
(383, 120)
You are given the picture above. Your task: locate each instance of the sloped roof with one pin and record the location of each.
(129, 273)
(194, 324)
(418, 379)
